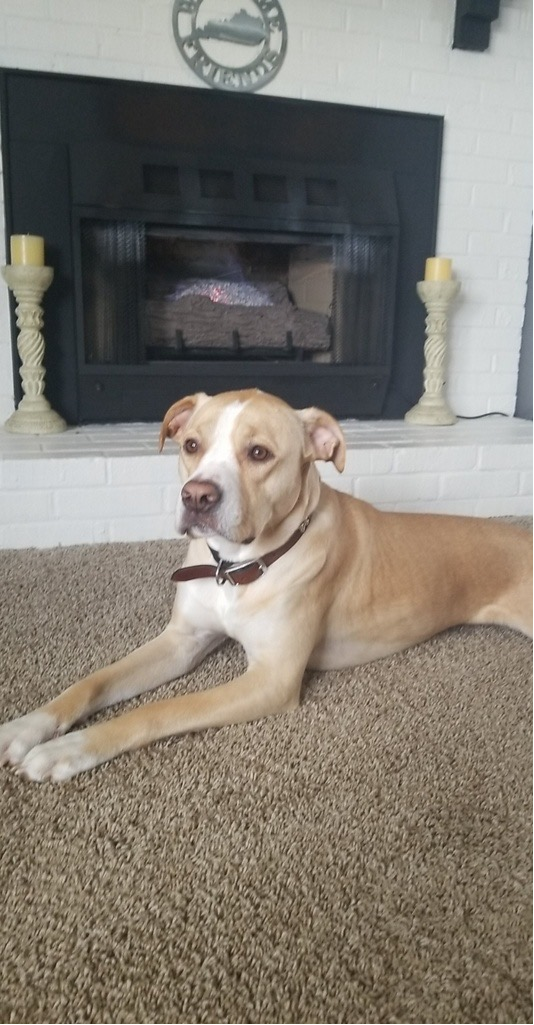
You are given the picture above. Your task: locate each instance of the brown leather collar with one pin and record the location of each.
(239, 572)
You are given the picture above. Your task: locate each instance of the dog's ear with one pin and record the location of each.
(177, 416)
(325, 435)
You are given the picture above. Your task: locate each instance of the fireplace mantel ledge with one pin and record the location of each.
(108, 482)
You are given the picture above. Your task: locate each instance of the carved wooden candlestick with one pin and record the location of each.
(433, 407)
(34, 414)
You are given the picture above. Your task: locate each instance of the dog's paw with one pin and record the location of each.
(19, 736)
(58, 760)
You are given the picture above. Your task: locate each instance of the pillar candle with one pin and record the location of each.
(438, 268)
(27, 249)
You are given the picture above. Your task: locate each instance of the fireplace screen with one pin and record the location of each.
(157, 293)
(204, 240)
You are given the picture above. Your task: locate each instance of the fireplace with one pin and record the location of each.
(202, 240)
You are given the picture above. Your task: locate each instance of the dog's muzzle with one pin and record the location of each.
(201, 501)
(201, 496)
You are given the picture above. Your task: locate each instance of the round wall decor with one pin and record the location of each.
(237, 45)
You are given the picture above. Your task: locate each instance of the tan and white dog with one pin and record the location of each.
(300, 574)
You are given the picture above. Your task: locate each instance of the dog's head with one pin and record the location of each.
(245, 459)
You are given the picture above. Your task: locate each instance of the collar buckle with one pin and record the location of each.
(246, 572)
(224, 570)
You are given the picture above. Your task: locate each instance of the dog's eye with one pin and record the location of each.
(190, 446)
(258, 453)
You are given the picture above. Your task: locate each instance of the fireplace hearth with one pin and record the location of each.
(202, 240)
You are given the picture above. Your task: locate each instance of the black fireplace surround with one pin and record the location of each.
(205, 241)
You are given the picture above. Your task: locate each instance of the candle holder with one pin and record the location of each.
(433, 407)
(34, 414)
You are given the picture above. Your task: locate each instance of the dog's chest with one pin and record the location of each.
(219, 609)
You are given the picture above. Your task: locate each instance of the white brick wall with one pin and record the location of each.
(380, 53)
(96, 484)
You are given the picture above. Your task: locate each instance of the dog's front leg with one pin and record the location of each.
(262, 690)
(174, 652)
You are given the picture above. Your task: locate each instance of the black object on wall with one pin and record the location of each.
(82, 152)
(472, 24)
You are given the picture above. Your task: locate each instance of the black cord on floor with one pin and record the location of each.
(482, 415)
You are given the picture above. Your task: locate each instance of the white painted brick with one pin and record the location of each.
(26, 535)
(401, 487)
(486, 169)
(14, 56)
(372, 20)
(363, 72)
(428, 460)
(516, 146)
(504, 362)
(158, 50)
(509, 316)
(43, 35)
(482, 484)
(37, 473)
(397, 54)
(25, 506)
(498, 292)
(504, 94)
(519, 174)
(311, 16)
(501, 386)
(29, 474)
(375, 446)
(361, 460)
(460, 140)
(474, 384)
(492, 242)
(455, 193)
(516, 225)
(513, 196)
(511, 269)
(504, 457)
(481, 119)
(341, 46)
(108, 503)
(392, 82)
(522, 123)
(62, 532)
(460, 62)
(477, 316)
(328, 71)
(34, 9)
(142, 528)
(470, 219)
(118, 44)
(453, 242)
(121, 13)
(435, 31)
(472, 362)
(72, 11)
(445, 86)
(142, 470)
(505, 506)
(170, 497)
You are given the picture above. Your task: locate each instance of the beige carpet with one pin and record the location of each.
(365, 859)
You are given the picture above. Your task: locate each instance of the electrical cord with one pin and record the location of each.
(482, 415)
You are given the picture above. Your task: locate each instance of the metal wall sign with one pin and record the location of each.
(237, 45)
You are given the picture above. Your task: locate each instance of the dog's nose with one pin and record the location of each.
(200, 495)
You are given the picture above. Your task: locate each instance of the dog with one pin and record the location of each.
(302, 575)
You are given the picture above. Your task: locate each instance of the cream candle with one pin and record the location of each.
(438, 268)
(27, 250)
